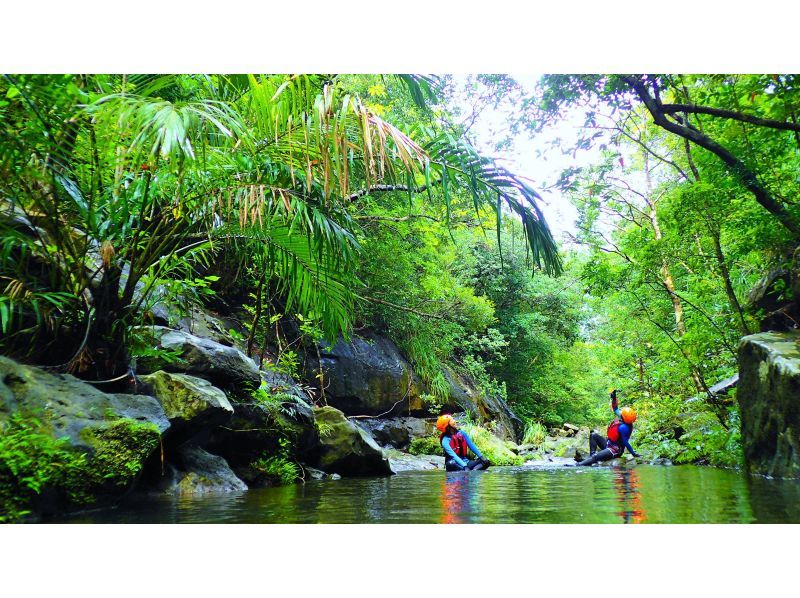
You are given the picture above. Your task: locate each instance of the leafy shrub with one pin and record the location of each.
(534, 434)
(491, 446)
(278, 469)
(31, 462)
(427, 445)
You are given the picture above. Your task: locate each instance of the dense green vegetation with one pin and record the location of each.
(314, 206)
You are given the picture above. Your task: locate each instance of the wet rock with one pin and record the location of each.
(195, 471)
(769, 387)
(723, 387)
(397, 432)
(191, 404)
(346, 448)
(224, 366)
(117, 432)
(571, 429)
(206, 324)
(368, 376)
(400, 461)
(67, 406)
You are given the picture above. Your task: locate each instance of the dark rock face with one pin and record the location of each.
(256, 429)
(397, 432)
(769, 402)
(463, 392)
(368, 376)
(346, 448)
(224, 366)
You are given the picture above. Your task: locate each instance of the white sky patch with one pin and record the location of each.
(536, 158)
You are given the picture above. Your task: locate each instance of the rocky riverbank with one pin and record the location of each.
(201, 416)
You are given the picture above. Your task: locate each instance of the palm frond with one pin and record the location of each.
(492, 185)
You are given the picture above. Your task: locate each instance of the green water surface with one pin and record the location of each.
(624, 494)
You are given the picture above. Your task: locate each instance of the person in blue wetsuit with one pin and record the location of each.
(456, 444)
(618, 436)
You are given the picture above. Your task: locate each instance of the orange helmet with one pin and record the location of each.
(628, 415)
(444, 421)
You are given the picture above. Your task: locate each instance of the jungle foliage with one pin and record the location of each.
(336, 203)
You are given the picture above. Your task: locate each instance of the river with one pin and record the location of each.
(622, 494)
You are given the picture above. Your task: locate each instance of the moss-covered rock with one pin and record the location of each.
(427, 445)
(191, 404)
(769, 402)
(346, 448)
(196, 471)
(492, 447)
(113, 434)
(117, 454)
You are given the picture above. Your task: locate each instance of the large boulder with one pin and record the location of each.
(116, 432)
(194, 471)
(191, 404)
(346, 448)
(368, 376)
(397, 432)
(224, 366)
(769, 402)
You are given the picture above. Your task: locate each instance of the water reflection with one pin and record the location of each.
(457, 496)
(626, 483)
(628, 494)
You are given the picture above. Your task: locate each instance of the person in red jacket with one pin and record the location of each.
(455, 444)
(618, 436)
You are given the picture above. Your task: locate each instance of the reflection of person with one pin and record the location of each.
(454, 498)
(618, 436)
(626, 481)
(456, 444)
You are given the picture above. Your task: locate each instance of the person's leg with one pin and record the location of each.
(603, 455)
(451, 465)
(596, 443)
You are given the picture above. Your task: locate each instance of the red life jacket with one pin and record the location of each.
(458, 443)
(613, 431)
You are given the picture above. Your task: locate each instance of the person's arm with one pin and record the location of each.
(624, 435)
(449, 450)
(471, 445)
(614, 404)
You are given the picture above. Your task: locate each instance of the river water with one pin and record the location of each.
(623, 494)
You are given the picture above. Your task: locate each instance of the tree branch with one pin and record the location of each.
(739, 168)
(732, 114)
